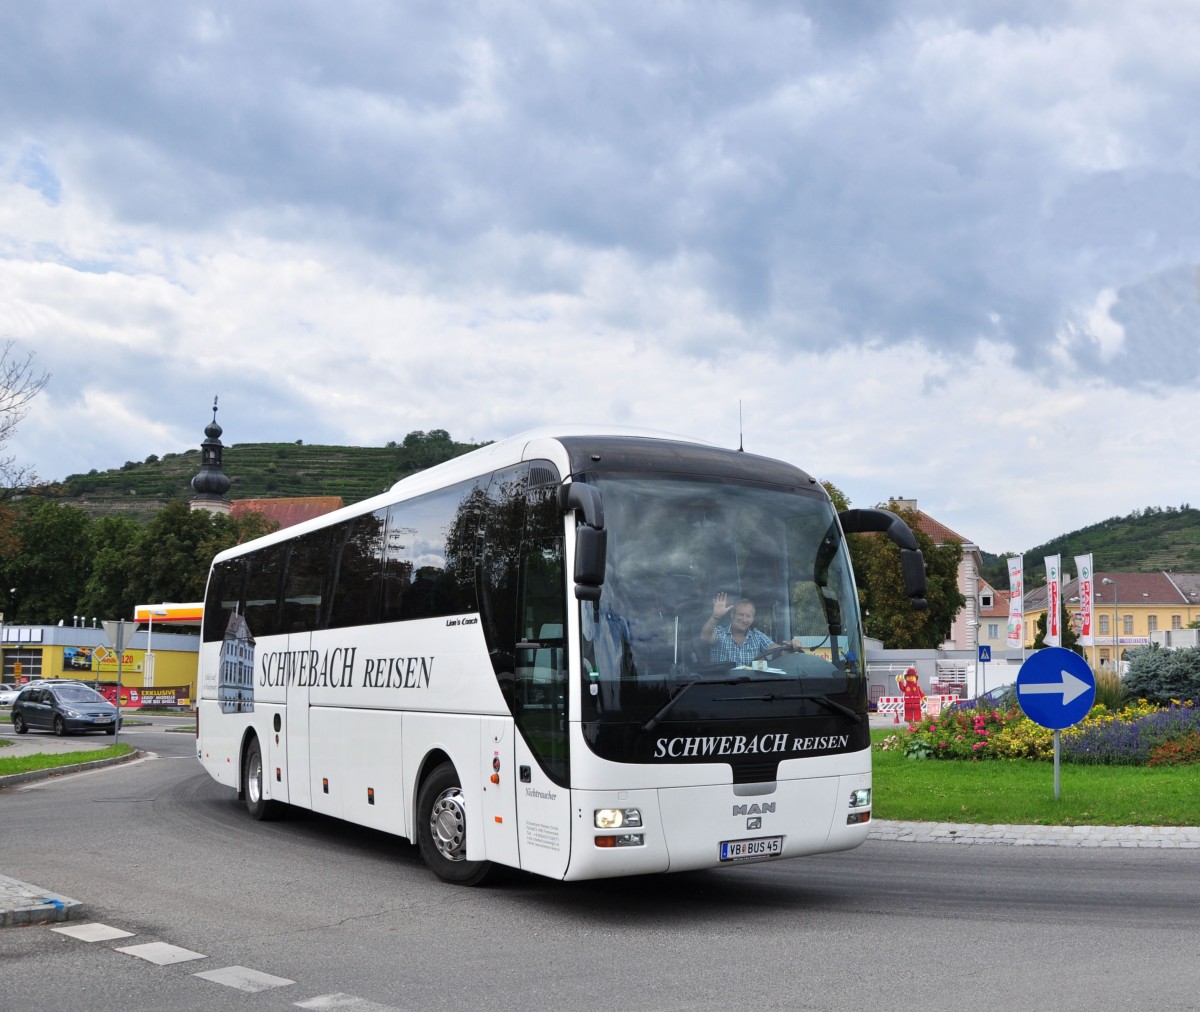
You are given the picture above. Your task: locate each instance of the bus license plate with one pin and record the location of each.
(751, 850)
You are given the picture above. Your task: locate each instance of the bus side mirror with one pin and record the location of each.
(912, 568)
(591, 539)
(590, 548)
(912, 560)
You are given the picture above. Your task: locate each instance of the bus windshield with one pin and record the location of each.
(683, 551)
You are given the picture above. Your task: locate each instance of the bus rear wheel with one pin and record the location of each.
(442, 829)
(259, 806)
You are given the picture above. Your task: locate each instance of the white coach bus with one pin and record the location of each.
(502, 660)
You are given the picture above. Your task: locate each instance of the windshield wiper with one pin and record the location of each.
(652, 723)
(825, 701)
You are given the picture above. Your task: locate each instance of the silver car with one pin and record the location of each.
(8, 693)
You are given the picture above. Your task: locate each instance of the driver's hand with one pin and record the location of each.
(721, 606)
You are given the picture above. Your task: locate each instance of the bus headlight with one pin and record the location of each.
(616, 818)
(860, 798)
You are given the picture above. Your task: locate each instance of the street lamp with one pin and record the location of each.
(1116, 627)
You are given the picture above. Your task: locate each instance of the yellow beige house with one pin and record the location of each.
(1128, 609)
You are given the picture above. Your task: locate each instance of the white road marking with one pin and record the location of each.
(244, 979)
(93, 932)
(161, 953)
(339, 1000)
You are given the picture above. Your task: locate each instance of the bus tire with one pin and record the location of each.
(442, 829)
(259, 806)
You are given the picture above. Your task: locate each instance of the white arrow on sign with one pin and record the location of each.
(1070, 687)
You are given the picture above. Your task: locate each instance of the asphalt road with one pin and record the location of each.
(324, 909)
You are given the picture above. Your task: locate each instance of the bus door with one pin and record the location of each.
(540, 711)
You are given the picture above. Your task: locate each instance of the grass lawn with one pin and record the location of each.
(1021, 792)
(47, 761)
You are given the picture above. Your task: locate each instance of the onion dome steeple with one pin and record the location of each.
(211, 483)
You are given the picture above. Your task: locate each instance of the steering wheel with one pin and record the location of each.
(772, 652)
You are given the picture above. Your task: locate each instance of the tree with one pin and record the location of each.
(107, 591)
(170, 559)
(46, 577)
(889, 615)
(20, 383)
(1067, 635)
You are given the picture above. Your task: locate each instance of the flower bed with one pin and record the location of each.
(1138, 735)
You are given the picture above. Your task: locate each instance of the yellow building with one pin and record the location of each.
(156, 668)
(1127, 609)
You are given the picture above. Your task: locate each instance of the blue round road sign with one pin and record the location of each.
(1055, 688)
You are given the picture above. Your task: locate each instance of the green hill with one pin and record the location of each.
(1152, 539)
(1156, 538)
(260, 470)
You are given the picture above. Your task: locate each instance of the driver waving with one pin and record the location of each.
(739, 642)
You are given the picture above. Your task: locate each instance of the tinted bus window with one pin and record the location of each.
(305, 582)
(426, 572)
(263, 584)
(223, 598)
(356, 571)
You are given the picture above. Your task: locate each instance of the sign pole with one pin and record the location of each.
(116, 636)
(1057, 749)
(120, 658)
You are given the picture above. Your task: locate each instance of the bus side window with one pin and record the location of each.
(425, 571)
(355, 572)
(223, 597)
(264, 581)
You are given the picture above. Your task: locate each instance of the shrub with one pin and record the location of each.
(1177, 751)
(956, 734)
(1160, 675)
(1023, 739)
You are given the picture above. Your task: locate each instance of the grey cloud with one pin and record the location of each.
(792, 151)
(1161, 317)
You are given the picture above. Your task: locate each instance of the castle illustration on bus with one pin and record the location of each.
(509, 659)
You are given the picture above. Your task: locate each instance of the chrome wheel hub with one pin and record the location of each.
(448, 825)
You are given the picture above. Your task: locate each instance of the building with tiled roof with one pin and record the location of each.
(993, 617)
(212, 483)
(965, 630)
(1129, 609)
(288, 512)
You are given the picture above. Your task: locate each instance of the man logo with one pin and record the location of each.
(763, 809)
(754, 823)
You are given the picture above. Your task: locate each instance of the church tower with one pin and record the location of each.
(211, 484)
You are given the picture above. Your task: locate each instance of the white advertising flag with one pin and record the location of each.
(1016, 603)
(1083, 563)
(1053, 597)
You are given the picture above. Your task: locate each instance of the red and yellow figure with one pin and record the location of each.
(911, 689)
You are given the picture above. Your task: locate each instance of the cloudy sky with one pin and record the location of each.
(941, 249)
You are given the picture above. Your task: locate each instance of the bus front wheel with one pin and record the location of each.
(257, 804)
(442, 829)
